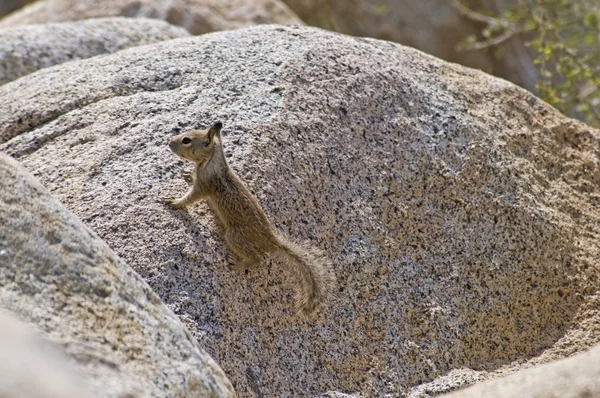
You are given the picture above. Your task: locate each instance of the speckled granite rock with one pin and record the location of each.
(28, 48)
(575, 377)
(64, 281)
(453, 380)
(34, 368)
(197, 16)
(461, 213)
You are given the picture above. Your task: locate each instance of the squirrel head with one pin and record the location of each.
(197, 146)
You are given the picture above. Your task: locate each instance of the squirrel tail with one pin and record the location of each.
(313, 269)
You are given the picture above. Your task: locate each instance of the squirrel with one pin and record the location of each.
(248, 232)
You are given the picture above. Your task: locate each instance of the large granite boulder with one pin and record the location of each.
(575, 377)
(197, 16)
(33, 367)
(461, 212)
(62, 280)
(26, 49)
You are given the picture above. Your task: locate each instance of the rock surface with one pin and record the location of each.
(25, 358)
(461, 213)
(25, 49)
(197, 16)
(64, 281)
(575, 377)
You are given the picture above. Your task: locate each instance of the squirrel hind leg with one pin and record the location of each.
(238, 264)
(242, 256)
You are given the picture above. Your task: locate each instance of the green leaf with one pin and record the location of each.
(591, 19)
(590, 38)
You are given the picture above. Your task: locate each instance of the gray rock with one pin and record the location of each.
(336, 394)
(34, 368)
(25, 49)
(63, 280)
(460, 212)
(575, 377)
(197, 16)
(453, 380)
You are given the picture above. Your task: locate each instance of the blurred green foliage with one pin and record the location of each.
(564, 36)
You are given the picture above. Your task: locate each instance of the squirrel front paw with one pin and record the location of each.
(235, 264)
(237, 267)
(174, 204)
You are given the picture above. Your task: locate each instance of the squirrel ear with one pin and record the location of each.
(215, 129)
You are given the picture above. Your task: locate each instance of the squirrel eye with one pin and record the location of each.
(186, 140)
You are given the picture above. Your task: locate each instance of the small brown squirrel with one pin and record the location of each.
(248, 232)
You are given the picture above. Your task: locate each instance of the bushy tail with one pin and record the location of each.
(315, 272)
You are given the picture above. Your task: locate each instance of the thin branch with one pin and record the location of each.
(476, 16)
(491, 42)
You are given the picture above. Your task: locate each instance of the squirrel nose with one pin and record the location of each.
(173, 144)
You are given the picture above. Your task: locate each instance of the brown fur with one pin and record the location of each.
(247, 230)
